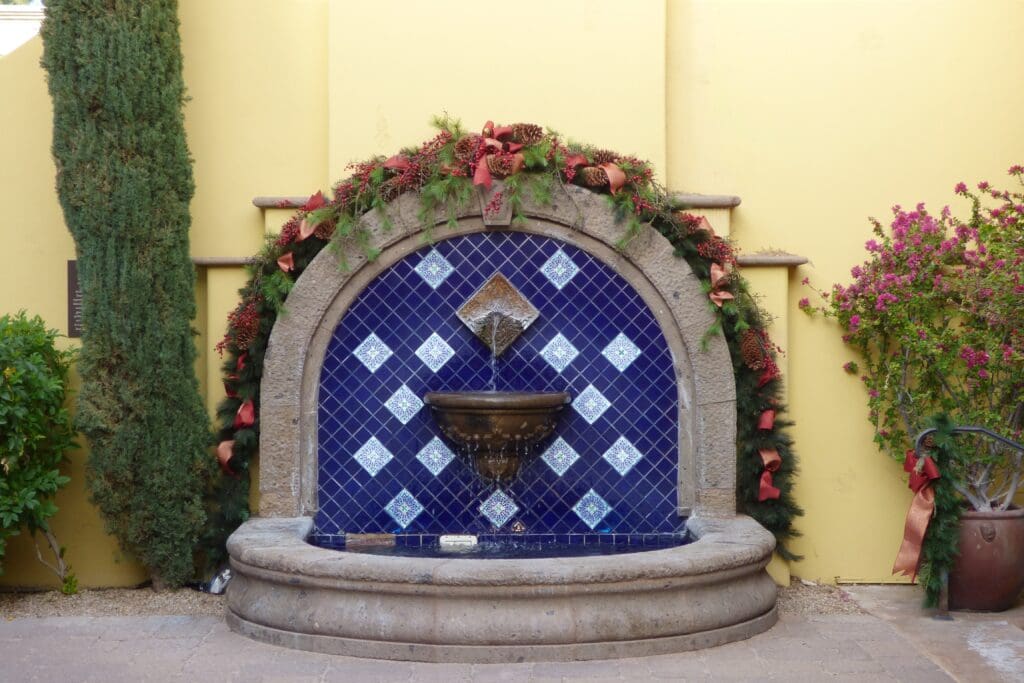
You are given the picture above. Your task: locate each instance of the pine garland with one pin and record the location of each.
(443, 172)
(942, 539)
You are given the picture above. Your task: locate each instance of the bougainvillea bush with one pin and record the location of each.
(447, 171)
(935, 315)
(35, 432)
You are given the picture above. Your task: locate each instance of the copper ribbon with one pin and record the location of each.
(922, 472)
(286, 262)
(772, 461)
(314, 202)
(719, 277)
(767, 420)
(616, 177)
(494, 144)
(225, 449)
(246, 415)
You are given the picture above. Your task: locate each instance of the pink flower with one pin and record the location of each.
(1016, 169)
(983, 374)
(961, 188)
(872, 245)
(854, 322)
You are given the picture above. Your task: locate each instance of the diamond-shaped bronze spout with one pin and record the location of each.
(497, 314)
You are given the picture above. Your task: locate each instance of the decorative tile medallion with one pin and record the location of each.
(358, 403)
(434, 268)
(621, 352)
(560, 456)
(373, 456)
(372, 352)
(591, 508)
(559, 352)
(404, 508)
(622, 455)
(435, 352)
(404, 404)
(560, 269)
(497, 313)
(435, 456)
(591, 404)
(498, 508)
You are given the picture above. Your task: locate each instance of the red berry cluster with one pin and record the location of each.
(718, 250)
(494, 206)
(243, 325)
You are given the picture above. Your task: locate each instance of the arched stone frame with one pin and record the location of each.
(322, 295)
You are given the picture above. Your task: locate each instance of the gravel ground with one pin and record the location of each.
(799, 598)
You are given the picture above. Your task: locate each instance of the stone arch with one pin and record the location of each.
(703, 367)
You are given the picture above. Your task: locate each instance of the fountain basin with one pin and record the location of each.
(709, 592)
(497, 430)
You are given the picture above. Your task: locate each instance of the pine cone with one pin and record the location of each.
(527, 133)
(391, 188)
(603, 156)
(465, 148)
(592, 176)
(752, 349)
(502, 165)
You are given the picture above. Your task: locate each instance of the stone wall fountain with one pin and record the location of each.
(590, 432)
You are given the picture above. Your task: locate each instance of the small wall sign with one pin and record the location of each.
(74, 301)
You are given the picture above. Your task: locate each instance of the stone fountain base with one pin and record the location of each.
(289, 593)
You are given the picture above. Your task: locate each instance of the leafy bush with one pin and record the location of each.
(35, 430)
(935, 314)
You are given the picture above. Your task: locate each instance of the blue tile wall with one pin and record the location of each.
(611, 467)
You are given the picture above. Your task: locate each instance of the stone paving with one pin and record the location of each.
(169, 648)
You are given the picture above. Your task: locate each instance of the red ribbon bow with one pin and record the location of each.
(246, 415)
(719, 278)
(494, 143)
(772, 461)
(225, 449)
(922, 472)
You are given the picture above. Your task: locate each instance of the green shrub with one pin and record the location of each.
(35, 430)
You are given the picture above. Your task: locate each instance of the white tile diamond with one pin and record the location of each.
(435, 456)
(559, 352)
(621, 352)
(404, 404)
(403, 508)
(435, 352)
(372, 455)
(590, 404)
(498, 508)
(622, 455)
(560, 456)
(559, 269)
(372, 352)
(434, 268)
(591, 508)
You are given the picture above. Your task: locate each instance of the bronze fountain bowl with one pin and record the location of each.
(497, 430)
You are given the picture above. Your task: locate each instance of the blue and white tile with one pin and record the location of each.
(591, 404)
(404, 404)
(404, 508)
(560, 456)
(559, 352)
(435, 352)
(591, 508)
(434, 268)
(373, 456)
(372, 352)
(435, 456)
(622, 455)
(560, 269)
(621, 352)
(498, 508)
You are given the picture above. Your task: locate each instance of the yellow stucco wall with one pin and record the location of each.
(816, 113)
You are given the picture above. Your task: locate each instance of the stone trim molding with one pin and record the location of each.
(771, 259)
(298, 342)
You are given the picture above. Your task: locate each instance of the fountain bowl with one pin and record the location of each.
(498, 431)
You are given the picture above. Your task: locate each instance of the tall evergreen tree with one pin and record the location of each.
(124, 179)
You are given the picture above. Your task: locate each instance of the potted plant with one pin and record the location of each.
(935, 314)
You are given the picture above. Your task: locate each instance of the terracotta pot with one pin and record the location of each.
(988, 575)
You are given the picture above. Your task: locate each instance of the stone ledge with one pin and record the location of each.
(678, 200)
(779, 259)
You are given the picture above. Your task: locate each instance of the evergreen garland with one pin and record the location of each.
(942, 539)
(124, 180)
(534, 163)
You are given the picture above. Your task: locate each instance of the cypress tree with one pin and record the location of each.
(124, 179)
